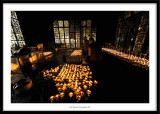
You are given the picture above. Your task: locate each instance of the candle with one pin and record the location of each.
(81, 93)
(57, 96)
(95, 82)
(62, 94)
(71, 94)
(85, 87)
(78, 97)
(59, 89)
(52, 98)
(88, 92)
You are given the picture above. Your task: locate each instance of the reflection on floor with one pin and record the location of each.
(119, 82)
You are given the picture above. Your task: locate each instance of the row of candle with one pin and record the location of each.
(73, 80)
(135, 60)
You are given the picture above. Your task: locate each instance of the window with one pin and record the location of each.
(70, 33)
(17, 40)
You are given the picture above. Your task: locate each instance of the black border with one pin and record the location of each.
(92, 1)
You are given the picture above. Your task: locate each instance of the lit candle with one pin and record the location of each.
(88, 92)
(81, 93)
(85, 87)
(78, 97)
(95, 82)
(90, 84)
(62, 94)
(52, 98)
(57, 96)
(71, 94)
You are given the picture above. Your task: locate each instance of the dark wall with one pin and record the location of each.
(37, 26)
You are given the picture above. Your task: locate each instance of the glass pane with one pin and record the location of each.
(71, 29)
(83, 23)
(71, 22)
(88, 22)
(19, 36)
(55, 23)
(60, 23)
(21, 43)
(61, 32)
(14, 22)
(77, 45)
(71, 35)
(84, 29)
(66, 32)
(67, 45)
(66, 23)
(57, 41)
(12, 35)
(17, 30)
(78, 40)
(62, 40)
(13, 14)
(61, 35)
(14, 43)
(93, 35)
(72, 40)
(77, 35)
(88, 35)
(88, 29)
(72, 45)
(66, 40)
(56, 34)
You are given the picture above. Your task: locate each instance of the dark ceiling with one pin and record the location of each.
(37, 26)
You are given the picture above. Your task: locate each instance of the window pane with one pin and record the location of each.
(93, 35)
(83, 23)
(88, 22)
(57, 41)
(88, 35)
(77, 35)
(13, 14)
(17, 30)
(77, 45)
(14, 22)
(66, 23)
(21, 43)
(88, 29)
(19, 36)
(67, 45)
(55, 23)
(61, 32)
(66, 32)
(60, 23)
(61, 35)
(78, 40)
(71, 29)
(56, 34)
(71, 23)
(72, 40)
(62, 40)
(72, 45)
(12, 35)
(71, 35)
(14, 43)
(66, 40)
